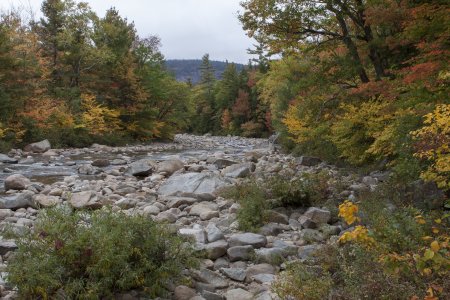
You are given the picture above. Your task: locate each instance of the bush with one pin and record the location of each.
(91, 255)
(252, 199)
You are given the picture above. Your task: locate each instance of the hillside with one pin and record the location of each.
(185, 69)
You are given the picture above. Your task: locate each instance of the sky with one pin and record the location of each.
(188, 28)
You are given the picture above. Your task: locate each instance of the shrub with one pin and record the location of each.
(253, 205)
(90, 255)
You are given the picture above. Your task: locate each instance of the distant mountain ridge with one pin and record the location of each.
(189, 69)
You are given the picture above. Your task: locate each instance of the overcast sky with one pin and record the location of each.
(187, 28)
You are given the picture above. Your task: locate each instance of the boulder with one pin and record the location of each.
(308, 161)
(178, 201)
(169, 167)
(240, 253)
(238, 294)
(88, 170)
(22, 200)
(216, 249)
(199, 185)
(205, 210)
(213, 233)
(260, 269)
(318, 215)
(142, 167)
(86, 199)
(39, 147)
(236, 274)
(238, 170)
(16, 182)
(197, 233)
(210, 277)
(6, 246)
(101, 163)
(7, 160)
(183, 292)
(276, 217)
(47, 201)
(221, 163)
(251, 239)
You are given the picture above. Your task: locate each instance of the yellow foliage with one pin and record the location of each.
(433, 144)
(347, 210)
(359, 235)
(97, 118)
(297, 127)
(2, 131)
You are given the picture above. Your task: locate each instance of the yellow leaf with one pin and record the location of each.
(435, 246)
(438, 221)
(435, 230)
(426, 271)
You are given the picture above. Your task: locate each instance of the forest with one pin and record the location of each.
(360, 84)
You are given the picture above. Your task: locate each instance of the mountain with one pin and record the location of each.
(189, 69)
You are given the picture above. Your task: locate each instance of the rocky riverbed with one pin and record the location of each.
(178, 183)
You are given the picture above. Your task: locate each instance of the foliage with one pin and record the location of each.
(253, 205)
(91, 255)
(433, 144)
(97, 118)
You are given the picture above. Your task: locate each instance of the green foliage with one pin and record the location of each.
(92, 255)
(253, 205)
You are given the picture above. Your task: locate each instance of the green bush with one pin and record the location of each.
(252, 199)
(93, 255)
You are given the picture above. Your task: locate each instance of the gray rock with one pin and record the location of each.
(6, 246)
(178, 201)
(306, 222)
(86, 199)
(216, 249)
(183, 292)
(212, 296)
(101, 163)
(88, 170)
(143, 167)
(16, 182)
(221, 163)
(7, 160)
(311, 235)
(308, 161)
(22, 200)
(166, 217)
(27, 161)
(236, 274)
(238, 170)
(213, 233)
(47, 201)
(118, 162)
(200, 185)
(305, 252)
(5, 213)
(270, 255)
(240, 253)
(276, 217)
(151, 210)
(238, 294)
(205, 210)
(243, 239)
(318, 215)
(260, 269)
(39, 147)
(210, 277)
(169, 167)
(263, 278)
(197, 233)
(271, 229)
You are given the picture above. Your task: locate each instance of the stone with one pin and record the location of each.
(238, 294)
(49, 153)
(6, 246)
(86, 169)
(318, 215)
(243, 239)
(39, 147)
(212, 296)
(220, 263)
(197, 233)
(270, 255)
(221, 163)
(264, 278)
(236, 274)
(305, 252)
(101, 163)
(276, 217)
(311, 235)
(306, 222)
(238, 170)
(308, 161)
(27, 161)
(260, 269)
(22, 200)
(210, 277)
(273, 229)
(199, 185)
(169, 167)
(205, 210)
(151, 210)
(142, 167)
(216, 249)
(7, 160)
(166, 217)
(16, 182)
(178, 201)
(240, 253)
(47, 201)
(183, 292)
(118, 162)
(5, 213)
(213, 233)
(85, 199)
